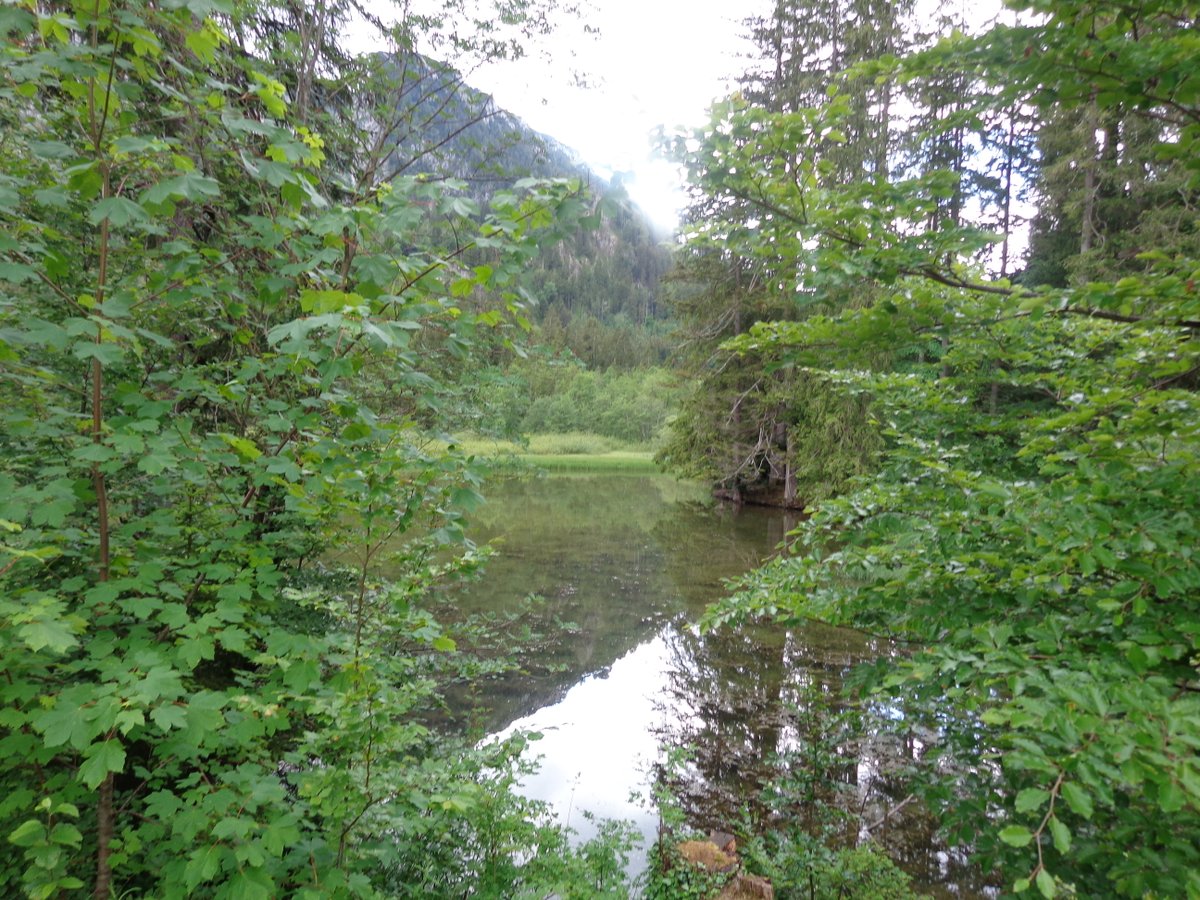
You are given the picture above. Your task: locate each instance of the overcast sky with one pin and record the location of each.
(654, 63)
(646, 64)
(649, 64)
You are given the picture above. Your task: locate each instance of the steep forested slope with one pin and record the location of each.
(597, 292)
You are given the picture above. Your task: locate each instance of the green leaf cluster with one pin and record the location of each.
(222, 362)
(1029, 537)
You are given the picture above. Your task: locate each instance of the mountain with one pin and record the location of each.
(446, 128)
(598, 291)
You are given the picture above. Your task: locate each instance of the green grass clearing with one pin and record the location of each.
(575, 451)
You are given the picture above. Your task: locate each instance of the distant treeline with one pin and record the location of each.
(556, 395)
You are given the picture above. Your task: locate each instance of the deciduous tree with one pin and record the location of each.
(209, 376)
(1030, 530)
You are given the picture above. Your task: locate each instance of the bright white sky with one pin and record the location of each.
(654, 63)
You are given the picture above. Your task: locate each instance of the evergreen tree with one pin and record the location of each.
(777, 435)
(1106, 195)
(1028, 536)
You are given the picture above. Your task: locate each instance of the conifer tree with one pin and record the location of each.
(1028, 536)
(779, 436)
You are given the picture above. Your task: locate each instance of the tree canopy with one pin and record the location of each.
(1028, 534)
(226, 327)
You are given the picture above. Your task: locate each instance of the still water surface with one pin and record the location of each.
(619, 569)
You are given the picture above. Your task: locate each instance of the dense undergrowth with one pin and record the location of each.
(226, 353)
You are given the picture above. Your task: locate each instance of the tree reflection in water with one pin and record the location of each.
(621, 564)
(773, 743)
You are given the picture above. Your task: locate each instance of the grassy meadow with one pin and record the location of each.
(571, 451)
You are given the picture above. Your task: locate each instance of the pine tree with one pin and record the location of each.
(778, 437)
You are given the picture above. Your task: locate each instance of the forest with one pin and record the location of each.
(935, 287)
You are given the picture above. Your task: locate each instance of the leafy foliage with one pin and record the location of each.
(547, 395)
(220, 358)
(1030, 530)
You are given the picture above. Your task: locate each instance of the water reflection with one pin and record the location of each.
(599, 745)
(611, 560)
(774, 740)
(622, 566)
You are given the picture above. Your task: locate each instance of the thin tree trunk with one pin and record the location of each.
(97, 122)
(789, 471)
(104, 800)
(104, 836)
(1091, 181)
(1006, 223)
(883, 138)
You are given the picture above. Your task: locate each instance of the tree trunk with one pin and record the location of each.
(104, 835)
(1091, 181)
(1006, 222)
(789, 472)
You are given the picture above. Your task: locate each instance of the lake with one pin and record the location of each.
(602, 578)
